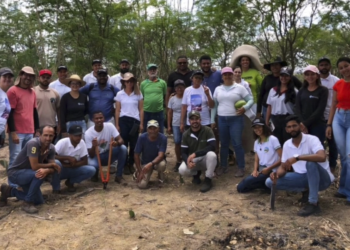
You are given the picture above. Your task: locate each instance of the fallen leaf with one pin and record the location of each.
(188, 232)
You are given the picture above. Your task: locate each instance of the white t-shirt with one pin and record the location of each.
(103, 137)
(197, 100)
(129, 104)
(278, 106)
(227, 97)
(5, 109)
(64, 147)
(309, 145)
(60, 87)
(329, 83)
(90, 78)
(115, 81)
(267, 151)
(175, 104)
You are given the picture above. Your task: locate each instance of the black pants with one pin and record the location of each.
(130, 137)
(279, 121)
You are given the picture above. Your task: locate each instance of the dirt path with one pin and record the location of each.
(219, 219)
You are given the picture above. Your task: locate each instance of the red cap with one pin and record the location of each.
(45, 71)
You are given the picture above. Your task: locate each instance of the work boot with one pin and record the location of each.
(239, 173)
(305, 197)
(309, 209)
(197, 178)
(70, 186)
(5, 193)
(119, 179)
(29, 208)
(206, 185)
(95, 177)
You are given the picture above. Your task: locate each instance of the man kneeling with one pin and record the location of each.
(198, 152)
(152, 146)
(304, 154)
(72, 157)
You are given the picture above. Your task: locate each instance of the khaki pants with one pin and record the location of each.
(207, 163)
(160, 168)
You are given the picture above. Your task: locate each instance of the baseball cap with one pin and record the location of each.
(194, 113)
(5, 71)
(102, 71)
(61, 67)
(179, 82)
(75, 130)
(45, 72)
(124, 61)
(152, 65)
(197, 72)
(258, 121)
(286, 71)
(226, 70)
(128, 76)
(27, 70)
(324, 59)
(96, 61)
(311, 68)
(152, 123)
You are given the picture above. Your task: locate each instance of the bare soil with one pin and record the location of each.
(219, 219)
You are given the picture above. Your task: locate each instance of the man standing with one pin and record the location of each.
(47, 100)
(198, 152)
(99, 137)
(182, 72)
(62, 72)
(72, 156)
(23, 120)
(152, 146)
(101, 97)
(328, 80)
(153, 91)
(34, 164)
(93, 76)
(304, 154)
(124, 67)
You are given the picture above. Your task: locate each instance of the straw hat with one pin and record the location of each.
(74, 78)
(128, 76)
(28, 70)
(248, 51)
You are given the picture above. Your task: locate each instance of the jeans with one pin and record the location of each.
(333, 152)
(76, 175)
(264, 111)
(207, 163)
(341, 128)
(250, 182)
(158, 116)
(319, 131)
(126, 124)
(279, 121)
(25, 178)
(177, 134)
(231, 127)
(118, 154)
(82, 124)
(316, 179)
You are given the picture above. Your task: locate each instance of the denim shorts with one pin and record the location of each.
(177, 134)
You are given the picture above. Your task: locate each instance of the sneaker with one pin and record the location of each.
(5, 193)
(70, 186)
(176, 168)
(29, 208)
(309, 209)
(339, 195)
(219, 171)
(197, 178)
(119, 179)
(206, 185)
(305, 197)
(239, 173)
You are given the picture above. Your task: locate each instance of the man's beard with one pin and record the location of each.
(296, 134)
(123, 71)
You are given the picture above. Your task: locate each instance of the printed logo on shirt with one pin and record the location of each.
(196, 102)
(266, 149)
(313, 97)
(52, 100)
(80, 104)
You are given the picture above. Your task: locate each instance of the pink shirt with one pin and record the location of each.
(23, 101)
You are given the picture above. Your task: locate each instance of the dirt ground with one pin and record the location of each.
(219, 219)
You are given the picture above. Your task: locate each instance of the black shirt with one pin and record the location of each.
(73, 109)
(269, 82)
(310, 106)
(177, 75)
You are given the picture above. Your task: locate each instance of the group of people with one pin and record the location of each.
(64, 129)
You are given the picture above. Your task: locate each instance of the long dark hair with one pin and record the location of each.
(266, 132)
(290, 93)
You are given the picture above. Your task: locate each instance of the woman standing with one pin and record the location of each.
(339, 121)
(311, 103)
(129, 115)
(230, 119)
(73, 106)
(6, 80)
(280, 103)
(268, 153)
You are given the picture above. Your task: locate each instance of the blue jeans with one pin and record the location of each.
(333, 152)
(231, 127)
(264, 111)
(319, 131)
(341, 129)
(177, 134)
(158, 116)
(250, 182)
(82, 124)
(118, 154)
(76, 175)
(25, 178)
(126, 124)
(316, 179)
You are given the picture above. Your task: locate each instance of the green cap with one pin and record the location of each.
(151, 65)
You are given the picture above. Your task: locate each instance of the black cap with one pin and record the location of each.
(75, 130)
(96, 61)
(5, 71)
(324, 59)
(258, 121)
(124, 61)
(286, 71)
(102, 71)
(197, 72)
(179, 82)
(61, 67)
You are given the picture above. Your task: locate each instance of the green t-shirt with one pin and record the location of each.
(153, 95)
(253, 77)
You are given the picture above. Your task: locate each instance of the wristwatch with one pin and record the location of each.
(296, 157)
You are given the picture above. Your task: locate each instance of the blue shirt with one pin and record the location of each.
(213, 80)
(150, 149)
(100, 99)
